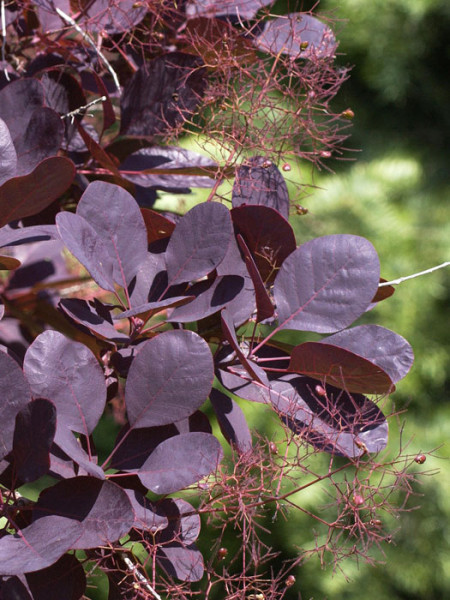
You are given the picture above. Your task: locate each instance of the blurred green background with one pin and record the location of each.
(395, 192)
(392, 189)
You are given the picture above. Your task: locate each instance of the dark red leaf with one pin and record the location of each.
(339, 367)
(268, 235)
(33, 438)
(64, 580)
(27, 195)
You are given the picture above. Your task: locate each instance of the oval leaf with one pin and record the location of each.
(100, 509)
(15, 394)
(68, 374)
(169, 379)
(64, 580)
(298, 34)
(340, 367)
(39, 545)
(199, 242)
(327, 283)
(27, 195)
(231, 421)
(91, 250)
(382, 347)
(117, 219)
(180, 461)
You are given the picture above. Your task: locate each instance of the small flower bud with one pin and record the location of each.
(286, 167)
(348, 114)
(222, 553)
(266, 164)
(420, 459)
(358, 500)
(290, 581)
(325, 154)
(301, 210)
(320, 391)
(273, 448)
(304, 45)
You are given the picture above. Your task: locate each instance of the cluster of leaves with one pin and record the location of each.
(180, 304)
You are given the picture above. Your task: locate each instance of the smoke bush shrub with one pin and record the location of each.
(169, 323)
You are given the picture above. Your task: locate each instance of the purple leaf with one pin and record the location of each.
(199, 242)
(177, 554)
(228, 329)
(114, 214)
(240, 383)
(245, 9)
(90, 315)
(183, 562)
(340, 367)
(147, 272)
(18, 101)
(268, 235)
(180, 461)
(68, 374)
(27, 195)
(42, 139)
(134, 446)
(15, 394)
(260, 182)
(326, 284)
(264, 306)
(330, 419)
(382, 347)
(164, 365)
(231, 421)
(101, 509)
(14, 589)
(33, 438)
(27, 235)
(298, 34)
(147, 515)
(71, 447)
(167, 159)
(162, 94)
(39, 545)
(158, 227)
(155, 306)
(64, 580)
(91, 250)
(8, 156)
(209, 298)
(244, 305)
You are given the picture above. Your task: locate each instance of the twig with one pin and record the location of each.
(78, 110)
(74, 24)
(141, 578)
(402, 279)
(3, 18)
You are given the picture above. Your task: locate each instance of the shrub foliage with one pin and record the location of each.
(169, 323)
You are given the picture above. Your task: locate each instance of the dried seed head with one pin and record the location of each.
(420, 459)
(273, 448)
(320, 391)
(301, 210)
(222, 553)
(286, 167)
(304, 45)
